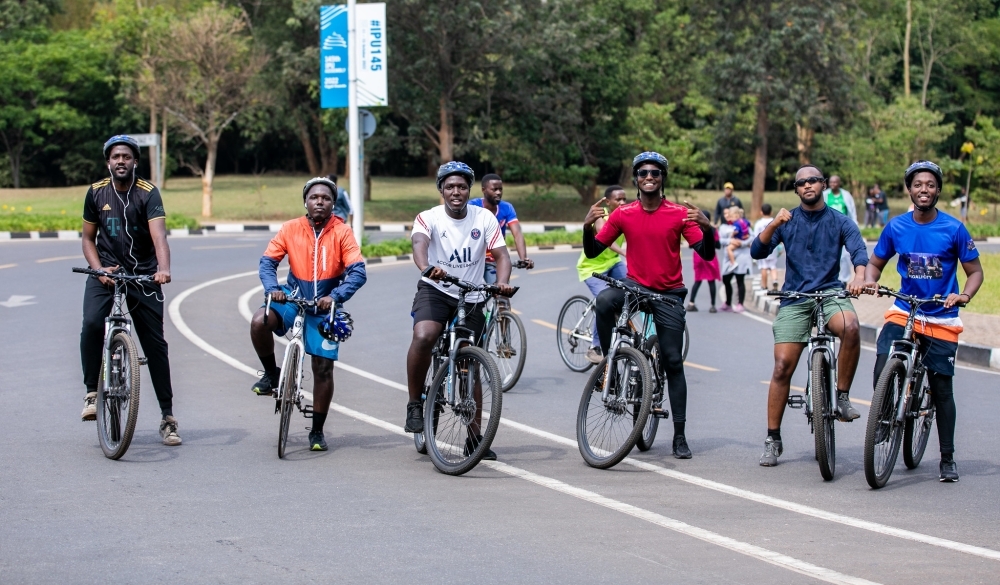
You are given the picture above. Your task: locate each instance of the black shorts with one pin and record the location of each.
(938, 355)
(430, 304)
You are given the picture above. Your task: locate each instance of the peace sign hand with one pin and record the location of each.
(694, 214)
(596, 212)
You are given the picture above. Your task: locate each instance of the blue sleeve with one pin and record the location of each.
(511, 214)
(268, 272)
(759, 250)
(854, 243)
(478, 202)
(885, 248)
(967, 251)
(354, 278)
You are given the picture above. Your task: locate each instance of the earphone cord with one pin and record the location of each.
(125, 203)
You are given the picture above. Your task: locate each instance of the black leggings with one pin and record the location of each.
(697, 285)
(741, 287)
(943, 396)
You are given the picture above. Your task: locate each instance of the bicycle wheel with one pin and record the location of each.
(645, 440)
(118, 397)
(508, 346)
(287, 393)
(687, 343)
(460, 439)
(883, 432)
(919, 420)
(607, 430)
(823, 419)
(573, 336)
(418, 438)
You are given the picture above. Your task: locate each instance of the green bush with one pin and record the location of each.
(396, 247)
(549, 238)
(52, 222)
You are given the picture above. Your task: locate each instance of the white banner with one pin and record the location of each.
(373, 87)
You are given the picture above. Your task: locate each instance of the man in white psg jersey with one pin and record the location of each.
(453, 238)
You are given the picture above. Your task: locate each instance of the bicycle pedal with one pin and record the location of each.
(660, 413)
(143, 361)
(796, 401)
(307, 411)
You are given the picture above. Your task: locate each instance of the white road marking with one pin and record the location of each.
(58, 258)
(2, 266)
(750, 550)
(224, 247)
(721, 487)
(546, 270)
(18, 301)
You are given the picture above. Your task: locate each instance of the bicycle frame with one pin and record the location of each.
(113, 323)
(824, 343)
(455, 343)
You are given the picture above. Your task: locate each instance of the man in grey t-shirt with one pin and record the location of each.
(341, 207)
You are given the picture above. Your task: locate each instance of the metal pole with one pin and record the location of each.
(353, 123)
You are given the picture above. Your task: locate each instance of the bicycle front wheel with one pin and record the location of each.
(288, 393)
(823, 418)
(118, 397)
(883, 432)
(919, 420)
(508, 346)
(607, 429)
(460, 438)
(573, 337)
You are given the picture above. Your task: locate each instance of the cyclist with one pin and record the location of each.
(324, 264)
(653, 228)
(492, 200)
(930, 245)
(609, 262)
(124, 228)
(814, 236)
(453, 238)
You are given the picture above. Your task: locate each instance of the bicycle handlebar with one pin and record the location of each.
(467, 286)
(114, 276)
(792, 294)
(884, 291)
(521, 264)
(614, 282)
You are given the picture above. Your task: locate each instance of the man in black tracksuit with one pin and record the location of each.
(124, 228)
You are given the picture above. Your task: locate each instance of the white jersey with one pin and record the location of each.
(758, 229)
(458, 246)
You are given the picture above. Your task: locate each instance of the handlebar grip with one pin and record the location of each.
(82, 270)
(774, 293)
(427, 271)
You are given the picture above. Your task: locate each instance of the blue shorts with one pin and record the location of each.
(315, 344)
(938, 355)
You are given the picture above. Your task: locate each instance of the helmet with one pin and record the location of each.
(121, 139)
(455, 168)
(650, 157)
(337, 327)
(319, 181)
(923, 166)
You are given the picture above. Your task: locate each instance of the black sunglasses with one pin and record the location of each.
(810, 180)
(643, 173)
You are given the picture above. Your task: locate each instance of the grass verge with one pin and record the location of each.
(52, 222)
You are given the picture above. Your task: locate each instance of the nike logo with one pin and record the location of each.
(329, 345)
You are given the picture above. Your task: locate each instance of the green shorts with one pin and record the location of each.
(794, 323)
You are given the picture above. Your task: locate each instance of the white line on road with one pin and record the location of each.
(58, 258)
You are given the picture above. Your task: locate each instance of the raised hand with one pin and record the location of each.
(783, 216)
(596, 212)
(694, 214)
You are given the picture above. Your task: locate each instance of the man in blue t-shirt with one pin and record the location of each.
(492, 200)
(930, 245)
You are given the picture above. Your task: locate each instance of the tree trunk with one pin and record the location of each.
(307, 146)
(760, 160)
(906, 48)
(163, 151)
(326, 153)
(432, 165)
(208, 176)
(446, 133)
(152, 149)
(804, 141)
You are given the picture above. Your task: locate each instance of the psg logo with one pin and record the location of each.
(476, 233)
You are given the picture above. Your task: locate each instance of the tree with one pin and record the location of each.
(18, 15)
(985, 135)
(207, 80)
(652, 127)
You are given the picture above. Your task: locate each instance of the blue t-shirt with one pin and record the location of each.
(928, 257)
(505, 213)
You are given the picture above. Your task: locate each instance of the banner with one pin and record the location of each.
(373, 87)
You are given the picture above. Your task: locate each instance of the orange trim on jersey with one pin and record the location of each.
(935, 330)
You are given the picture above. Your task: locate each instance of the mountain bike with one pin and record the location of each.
(465, 389)
(618, 396)
(504, 338)
(573, 332)
(902, 409)
(118, 388)
(820, 401)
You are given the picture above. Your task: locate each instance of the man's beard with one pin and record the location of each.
(812, 201)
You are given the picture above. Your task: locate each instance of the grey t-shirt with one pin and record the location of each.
(342, 207)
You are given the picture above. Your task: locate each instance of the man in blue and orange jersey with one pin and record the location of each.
(325, 264)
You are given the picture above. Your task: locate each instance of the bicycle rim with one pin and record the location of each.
(823, 419)
(645, 440)
(467, 426)
(507, 345)
(118, 398)
(607, 430)
(883, 432)
(919, 420)
(573, 333)
(288, 390)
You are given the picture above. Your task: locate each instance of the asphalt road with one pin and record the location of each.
(223, 508)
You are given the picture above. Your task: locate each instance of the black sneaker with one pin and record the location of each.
(267, 383)
(414, 417)
(681, 449)
(317, 442)
(949, 469)
(470, 446)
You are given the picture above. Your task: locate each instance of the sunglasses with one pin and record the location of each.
(655, 173)
(809, 180)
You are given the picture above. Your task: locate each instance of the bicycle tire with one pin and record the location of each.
(418, 438)
(645, 440)
(882, 428)
(823, 421)
(687, 343)
(448, 457)
(628, 363)
(500, 347)
(571, 342)
(287, 388)
(118, 398)
(917, 428)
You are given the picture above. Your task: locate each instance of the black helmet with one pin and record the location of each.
(121, 139)
(337, 327)
(319, 181)
(923, 166)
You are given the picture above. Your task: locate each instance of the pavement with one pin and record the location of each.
(223, 508)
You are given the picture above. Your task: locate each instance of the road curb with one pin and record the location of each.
(970, 353)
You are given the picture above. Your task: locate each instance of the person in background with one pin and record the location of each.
(725, 202)
(768, 266)
(737, 269)
(741, 233)
(342, 206)
(705, 271)
(841, 200)
(871, 209)
(881, 205)
(964, 200)
(610, 262)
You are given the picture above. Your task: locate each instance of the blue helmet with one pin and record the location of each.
(121, 139)
(319, 181)
(455, 168)
(650, 157)
(337, 327)
(923, 166)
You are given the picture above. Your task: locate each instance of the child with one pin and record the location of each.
(768, 266)
(742, 233)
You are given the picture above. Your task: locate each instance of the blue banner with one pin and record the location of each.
(333, 56)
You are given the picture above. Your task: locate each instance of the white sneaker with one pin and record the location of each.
(89, 407)
(594, 355)
(168, 430)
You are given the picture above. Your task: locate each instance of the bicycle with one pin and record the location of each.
(455, 402)
(573, 342)
(118, 388)
(820, 401)
(901, 406)
(504, 339)
(617, 399)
